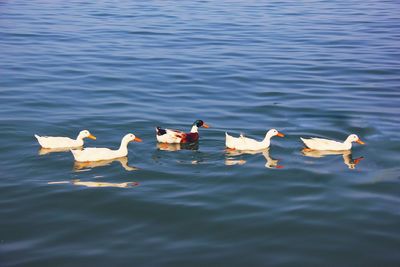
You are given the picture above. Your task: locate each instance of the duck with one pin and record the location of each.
(64, 142)
(96, 154)
(244, 143)
(178, 137)
(326, 144)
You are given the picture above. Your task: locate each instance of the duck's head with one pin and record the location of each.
(86, 134)
(131, 138)
(274, 132)
(354, 138)
(200, 123)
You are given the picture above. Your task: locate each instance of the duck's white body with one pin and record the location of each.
(244, 143)
(96, 154)
(63, 142)
(326, 144)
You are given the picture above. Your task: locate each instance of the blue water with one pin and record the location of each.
(306, 68)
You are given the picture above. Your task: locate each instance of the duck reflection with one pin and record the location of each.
(231, 160)
(93, 164)
(45, 151)
(97, 184)
(346, 154)
(176, 147)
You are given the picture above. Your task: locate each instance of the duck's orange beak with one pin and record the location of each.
(137, 139)
(280, 134)
(360, 142)
(205, 125)
(92, 137)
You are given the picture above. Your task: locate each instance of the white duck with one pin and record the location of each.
(244, 143)
(95, 153)
(326, 144)
(64, 142)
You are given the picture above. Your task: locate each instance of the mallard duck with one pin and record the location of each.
(64, 142)
(244, 143)
(175, 136)
(95, 153)
(326, 144)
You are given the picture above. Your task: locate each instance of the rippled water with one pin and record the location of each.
(312, 68)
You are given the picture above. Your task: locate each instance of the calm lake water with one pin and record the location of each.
(306, 68)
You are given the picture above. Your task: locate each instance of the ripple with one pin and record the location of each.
(322, 70)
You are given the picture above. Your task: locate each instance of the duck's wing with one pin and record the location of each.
(93, 154)
(174, 132)
(321, 143)
(248, 141)
(97, 150)
(326, 142)
(171, 132)
(169, 135)
(53, 141)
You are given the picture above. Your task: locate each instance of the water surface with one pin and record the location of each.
(313, 68)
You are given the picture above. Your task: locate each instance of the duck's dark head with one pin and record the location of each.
(200, 123)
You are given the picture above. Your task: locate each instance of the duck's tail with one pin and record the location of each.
(75, 152)
(228, 140)
(306, 142)
(160, 131)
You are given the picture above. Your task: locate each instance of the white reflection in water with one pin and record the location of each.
(97, 184)
(176, 147)
(231, 154)
(79, 166)
(346, 154)
(45, 151)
